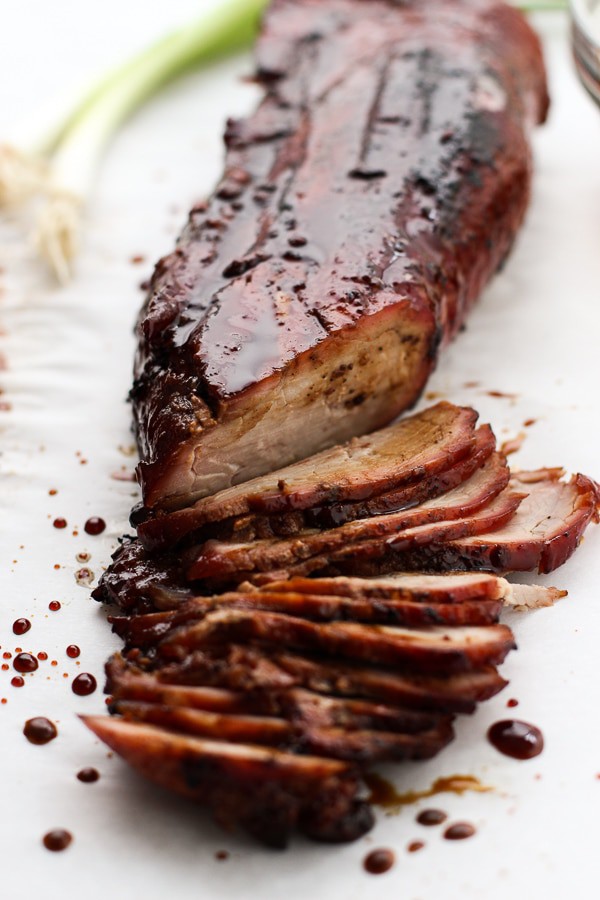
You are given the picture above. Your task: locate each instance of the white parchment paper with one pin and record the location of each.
(68, 356)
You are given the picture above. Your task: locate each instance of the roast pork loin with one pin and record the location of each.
(363, 207)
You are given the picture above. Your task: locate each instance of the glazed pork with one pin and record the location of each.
(363, 208)
(399, 461)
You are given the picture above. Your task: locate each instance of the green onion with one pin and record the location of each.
(76, 140)
(58, 159)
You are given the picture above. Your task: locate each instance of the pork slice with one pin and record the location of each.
(367, 747)
(360, 746)
(267, 791)
(363, 207)
(147, 630)
(298, 705)
(435, 650)
(452, 587)
(239, 728)
(404, 497)
(407, 452)
(383, 537)
(247, 669)
(127, 682)
(545, 531)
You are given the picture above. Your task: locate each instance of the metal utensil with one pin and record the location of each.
(585, 41)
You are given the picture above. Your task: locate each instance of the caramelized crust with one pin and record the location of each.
(363, 207)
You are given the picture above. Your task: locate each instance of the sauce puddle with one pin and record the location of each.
(384, 794)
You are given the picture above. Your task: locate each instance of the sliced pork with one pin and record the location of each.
(407, 453)
(463, 502)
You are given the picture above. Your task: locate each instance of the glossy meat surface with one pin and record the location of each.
(363, 207)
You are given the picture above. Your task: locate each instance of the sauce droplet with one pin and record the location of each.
(17, 681)
(517, 739)
(25, 662)
(84, 577)
(73, 651)
(88, 775)
(94, 525)
(432, 817)
(39, 730)
(84, 684)
(414, 846)
(60, 523)
(21, 626)
(54, 606)
(57, 839)
(222, 855)
(42, 655)
(459, 831)
(379, 861)
(512, 703)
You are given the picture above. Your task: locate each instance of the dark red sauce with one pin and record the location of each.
(379, 861)
(414, 846)
(39, 730)
(54, 606)
(25, 662)
(17, 681)
(42, 655)
(60, 523)
(88, 775)
(21, 626)
(432, 817)
(84, 684)
(57, 839)
(94, 525)
(459, 831)
(73, 651)
(53, 492)
(517, 739)
(512, 703)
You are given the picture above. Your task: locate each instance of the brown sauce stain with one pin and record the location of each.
(39, 730)
(414, 846)
(430, 817)
(56, 840)
(88, 775)
(384, 794)
(502, 395)
(379, 861)
(515, 738)
(459, 831)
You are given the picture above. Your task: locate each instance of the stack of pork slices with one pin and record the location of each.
(285, 634)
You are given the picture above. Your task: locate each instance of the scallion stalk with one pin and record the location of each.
(77, 140)
(59, 159)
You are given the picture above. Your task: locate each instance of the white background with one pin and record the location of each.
(68, 354)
